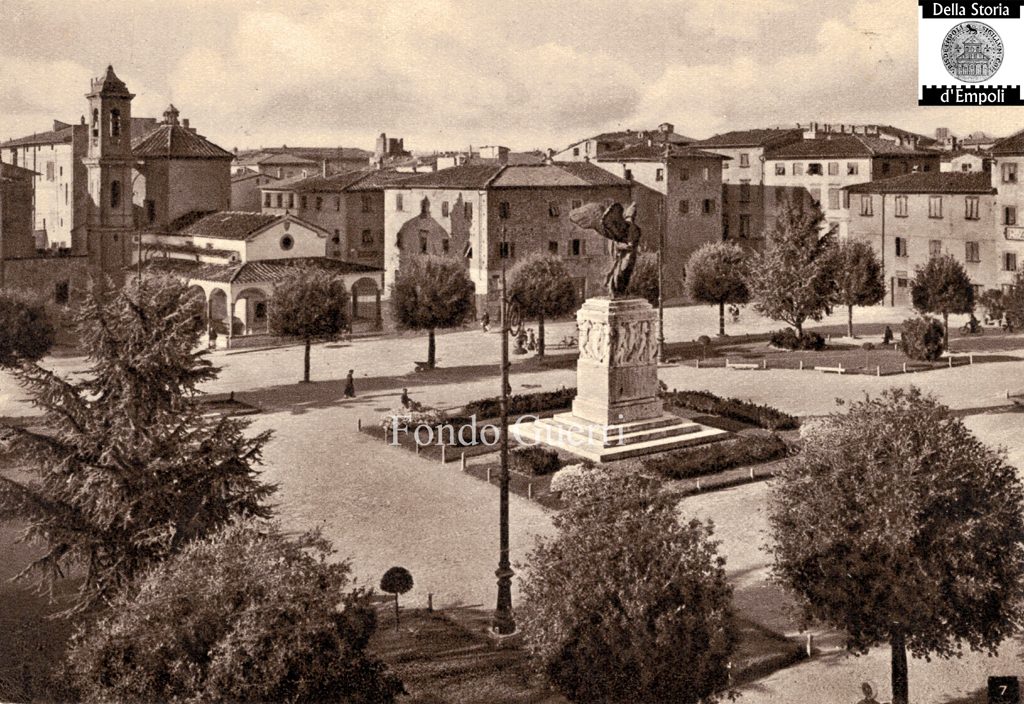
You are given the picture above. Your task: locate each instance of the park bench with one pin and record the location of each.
(969, 356)
(832, 370)
(742, 365)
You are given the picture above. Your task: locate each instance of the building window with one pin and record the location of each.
(446, 246)
(444, 208)
(95, 125)
(576, 248)
(303, 202)
(684, 173)
(575, 151)
(398, 202)
(577, 204)
(367, 203)
(115, 123)
(1009, 261)
(49, 171)
(366, 237)
(744, 226)
(423, 244)
(337, 203)
(744, 191)
(337, 237)
(61, 293)
(852, 168)
(901, 246)
(815, 170)
(833, 198)
(901, 206)
(780, 169)
(744, 160)
(266, 200)
(150, 210)
(798, 169)
(467, 210)
(506, 250)
(319, 203)
(628, 174)
(684, 207)
(279, 198)
(1009, 173)
(815, 195)
(1010, 215)
(934, 248)
(291, 201)
(971, 208)
(935, 206)
(707, 173)
(885, 167)
(287, 242)
(867, 206)
(553, 247)
(833, 168)
(659, 174)
(425, 207)
(553, 209)
(972, 252)
(709, 206)
(504, 210)
(115, 194)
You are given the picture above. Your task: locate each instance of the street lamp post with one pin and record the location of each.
(503, 621)
(661, 270)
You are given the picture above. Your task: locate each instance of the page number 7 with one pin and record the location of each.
(1003, 690)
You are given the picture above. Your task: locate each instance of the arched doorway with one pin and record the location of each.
(251, 312)
(217, 311)
(365, 300)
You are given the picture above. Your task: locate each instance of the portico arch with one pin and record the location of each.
(365, 299)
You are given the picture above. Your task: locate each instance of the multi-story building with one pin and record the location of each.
(245, 190)
(745, 151)
(964, 160)
(599, 145)
(491, 215)
(824, 167)
(349, 206)
(678, 193)
(910, 218)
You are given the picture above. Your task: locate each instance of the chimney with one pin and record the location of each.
(184, 123)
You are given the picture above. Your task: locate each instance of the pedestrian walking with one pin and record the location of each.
(350, 385)
(869, 694)
(887, 336)
(485, 322)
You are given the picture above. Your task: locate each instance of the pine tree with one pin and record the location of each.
(126, 467)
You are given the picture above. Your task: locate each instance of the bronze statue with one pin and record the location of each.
(610, 220)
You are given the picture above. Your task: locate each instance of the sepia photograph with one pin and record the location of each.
(529, 352)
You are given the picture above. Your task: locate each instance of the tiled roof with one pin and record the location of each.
(643, 152)
(61, 136)
(957, 153)
(228, 225)
(556, 175)
(320, 184)
(110, 83)
(260, 271)
(467, 176)
(10, 171)
(246, 175)
(176, 142)
(1014, 144)
(378, 180)
(930, 182)
(848, 146)
(750, 138)
(282, 159)
(188, 249)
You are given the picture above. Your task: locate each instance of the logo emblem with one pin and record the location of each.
(972, 52)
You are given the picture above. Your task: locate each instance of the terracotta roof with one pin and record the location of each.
(1014, 144)
(260, 271)
(643, 152)
(930, 182)
(228, 225)
(630, 137)
(176, 142)
(61, 136)
(377, 180)
(319, 184)
(245, 176)
(188, 249)
(751, 138)
(10, 171)
(556, 175)
(467, 176)
(848, 146)
(283, 159)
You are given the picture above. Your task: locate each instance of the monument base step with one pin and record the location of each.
(614, 442)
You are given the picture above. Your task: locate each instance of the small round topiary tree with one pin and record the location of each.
(396, 580)
(922, 339)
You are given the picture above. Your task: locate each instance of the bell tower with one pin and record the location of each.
(109, 164)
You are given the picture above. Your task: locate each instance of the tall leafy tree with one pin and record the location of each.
(543, 287)
(858, 277)
(644, 281)
(624, 593)
(942, 287)
(716, 274)
(896, 525)
(311, 304)
(431, 292)
(244, 615)
(128, 468)
(26, 332)
(790, 279)
(1011, 302)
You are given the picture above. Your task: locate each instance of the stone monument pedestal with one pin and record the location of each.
(617, 412)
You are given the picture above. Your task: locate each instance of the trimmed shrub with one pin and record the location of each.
(409, 418)
(717, 457)
(921, 339)
(519, 404)
(534, 461)
(568, 478)
(744, 411)
(787, 339)
(868, 346)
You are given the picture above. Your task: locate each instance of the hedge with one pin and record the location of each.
(519, 404)
(743, 411)
(717, 457)
(534, 461)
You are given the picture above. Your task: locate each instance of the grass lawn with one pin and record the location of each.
(448, 657)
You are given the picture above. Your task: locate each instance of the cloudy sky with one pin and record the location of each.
(449, 73)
